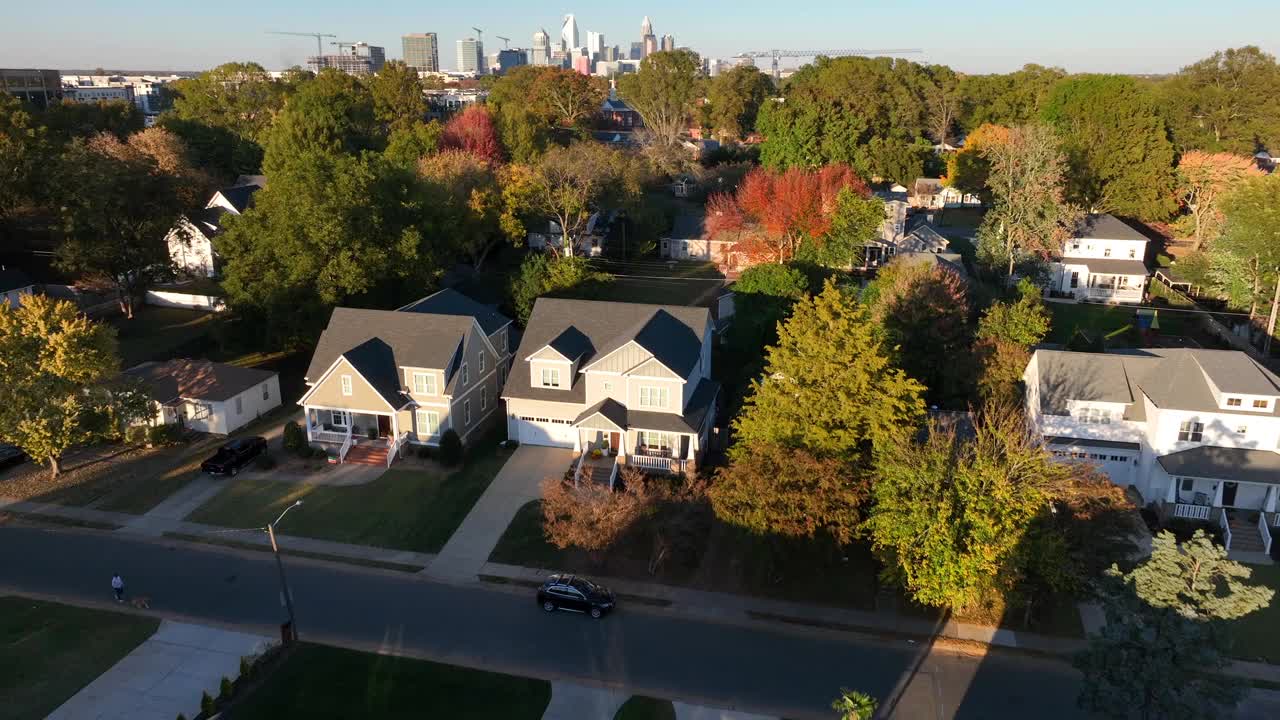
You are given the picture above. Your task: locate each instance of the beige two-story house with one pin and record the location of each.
(382, 379)
(626, 382)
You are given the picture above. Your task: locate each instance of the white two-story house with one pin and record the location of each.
(623, 382)
(1104, 262)
(381, 379)
(1195, 432)
(190, 243)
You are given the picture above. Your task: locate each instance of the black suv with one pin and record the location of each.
(10, 455)
(234, 455)
(570, 592)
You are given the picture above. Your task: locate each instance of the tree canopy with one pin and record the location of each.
(663, 92)
(398, 99)
(223, 114)
(1247, 254)
(331, 114)
(734, 98)
(1227, 102)
(1203, 178)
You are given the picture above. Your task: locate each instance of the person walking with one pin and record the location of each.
(117, 587)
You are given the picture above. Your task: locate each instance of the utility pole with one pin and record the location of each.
(284, 581)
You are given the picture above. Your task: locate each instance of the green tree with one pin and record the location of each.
(969, 169)
(663, 92)
(1009, 99)
(734, 99)
(1229, 101)
(1252, 237)
(856, 220)
(1024, 321)
(1030, 216)
(1164, 647)
(409, 144)
(570, 184)
(854, 705)
(952, 519)
(1203, 179)
(327, 230)
(55, 359)
(544, 274)
(117, 205)
(23, 154)
(943, 102)
(333, 113)
(762, 298)
(467, 201)
(398, 99)
(223, 114)
(1118, 151)
(69, 120)
(829, 386)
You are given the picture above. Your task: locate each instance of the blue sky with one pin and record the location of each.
(971, 35)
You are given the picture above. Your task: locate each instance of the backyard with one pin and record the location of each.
(155, 333)
(1108, 321)
(661, 282)
(407, 508)
(324, 682)
(50, 651)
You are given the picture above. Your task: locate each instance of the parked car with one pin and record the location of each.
(10, 455)
(570, 592)
(234, 455)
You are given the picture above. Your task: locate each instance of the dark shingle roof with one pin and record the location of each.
(376, 363)
(1087, 442)
(1237, 464)
(672, 333)
(1110, 266)
(415, 339)
(612, 410)
(689, 226)
(1106, 226)
(13, 279)
(571, 344)
(240, 197)
(452, 302)
(196, 379)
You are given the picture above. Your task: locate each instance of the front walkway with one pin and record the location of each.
(515, 485)
(164, 676)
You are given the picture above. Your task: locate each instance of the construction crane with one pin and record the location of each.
(506, 42)
(778, 54)
(479, 34)
(342, 45)
(317, 36)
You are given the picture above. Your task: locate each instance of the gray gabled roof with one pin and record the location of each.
(452, 302)
(1109, 266)
(672, 333)
(414, 339)
(376, 363)
(1221, 463)
(1089, 442)
(1235, 372)
(571, 344)
(240, 197)
(608, 408)
(196, 379)
(1105, 226)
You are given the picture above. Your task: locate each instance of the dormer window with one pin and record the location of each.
(551, 377)
(1106, 253)
(1233, 402)
(1261, 404)
(1133, 253)
(346, 385)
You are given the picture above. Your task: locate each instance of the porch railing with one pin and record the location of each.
(1106, 293)
(1265, 532)
(1191, 512)
(329, 436)
(651, 462)
(395, 447)
(577, 468)
(347, 442)
(1226, 529)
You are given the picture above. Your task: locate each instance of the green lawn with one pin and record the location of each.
(405, 509)
(48, 652)
(1104, 319)
(524, 544)
(155, 332)
(1257, 635)
(665, 291)
(319, 682)
(639, 707)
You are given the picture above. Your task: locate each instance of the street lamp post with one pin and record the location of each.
(284, 582)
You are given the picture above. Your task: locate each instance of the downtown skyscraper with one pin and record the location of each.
(569, 33)
(421, 51)
(649, 43)
(540, 53)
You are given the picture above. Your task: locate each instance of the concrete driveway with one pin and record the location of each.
(515, 484)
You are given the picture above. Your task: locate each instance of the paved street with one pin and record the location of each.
(784, 673)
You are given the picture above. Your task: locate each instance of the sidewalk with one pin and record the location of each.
(515, 485)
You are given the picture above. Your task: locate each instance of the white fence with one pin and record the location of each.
(172, 298)
(664, 464)
(1191, 512)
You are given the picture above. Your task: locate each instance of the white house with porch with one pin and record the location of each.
(1195, 432)
(1104, 262)
(619, 383)
(384, 379)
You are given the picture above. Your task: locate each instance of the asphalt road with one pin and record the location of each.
(788, 673)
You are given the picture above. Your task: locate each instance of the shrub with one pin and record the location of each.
(207, 704)
(372, 433)
(163, 435)
(265, 462)
(450, 448)
(136, 434)
(246, 668)
(224, 688)
(424, 452)
(590, 516)
(292, 437)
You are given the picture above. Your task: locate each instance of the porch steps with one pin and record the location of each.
(368, 455)
(1244, 535)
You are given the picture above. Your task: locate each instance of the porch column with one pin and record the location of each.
(395, 427)
(622, 444)
(1217, 494)
(577, 439)
(1172, 494)
(306, 417)
(693, 447)
(1270, 503)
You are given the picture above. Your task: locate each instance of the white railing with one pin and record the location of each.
(347, 442)
(650, 462)
(1106, 293)
(577, 468)
(1265, 532)
(1191, 512)
(1226, 529)
(329, 436)
(395, 447)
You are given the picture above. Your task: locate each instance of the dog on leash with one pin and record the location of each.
(140, 603)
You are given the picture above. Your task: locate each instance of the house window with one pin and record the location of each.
(1106, 253)
(466, 374)
(480, 360)
(500, 342)
(346, 385)
(266, 392)
(1188, 484)
(657, 440)
(684, 248)
(1094, 416)
(340, 418)
(502, 375)
(606, 386)
(484, 398)
(1259, 404)
(1133, 254)
(1233, 402)
(1075, 246)
(550, 377)
(655, 397)
(239, 404)
(428, 423)
(1075, 280)
(1242, 429)
(424, 384)
(1190, 431)
(466, 413)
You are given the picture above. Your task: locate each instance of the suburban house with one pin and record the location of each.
(206, 396)
(1104, 262)
(688, 241)
(627, 382)
(932, 194)
(616, 114)
(1195, 432)
(589, 243)
(13, 285)
(380, 379)
(920, 238)
(191, 242)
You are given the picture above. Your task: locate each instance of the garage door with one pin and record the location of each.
(545, 431)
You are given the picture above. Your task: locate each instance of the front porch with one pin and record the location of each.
(354, 436)
(605, 451)
(1245, 512)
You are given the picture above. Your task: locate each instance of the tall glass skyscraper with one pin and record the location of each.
(421, 51)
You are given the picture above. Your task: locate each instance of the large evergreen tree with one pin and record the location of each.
(1229, 101)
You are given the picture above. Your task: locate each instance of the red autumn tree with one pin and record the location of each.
(472, 131)
(775, 213)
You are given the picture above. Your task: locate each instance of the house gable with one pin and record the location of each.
(327, 392)
(653, 368)
(621, 360)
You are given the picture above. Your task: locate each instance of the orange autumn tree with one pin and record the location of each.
(1203, 178)
(967, 169)
(774, 213)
